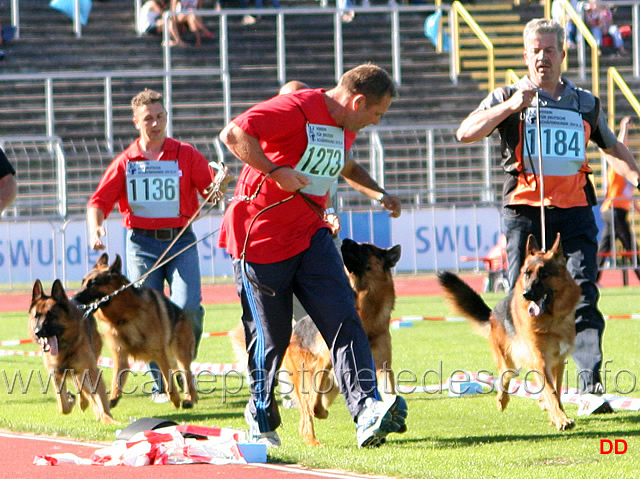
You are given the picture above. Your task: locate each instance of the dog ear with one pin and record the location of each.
(532, 245)
(392, 256)
(38, 292)
(116, 266)
(557, 247)
(58, 293)
(103, 260)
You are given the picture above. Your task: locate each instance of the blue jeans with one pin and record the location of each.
(182, 274)
(578, 232)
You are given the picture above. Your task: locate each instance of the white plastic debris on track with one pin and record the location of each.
(168, 446)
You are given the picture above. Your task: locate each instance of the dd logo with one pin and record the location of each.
(619, 446)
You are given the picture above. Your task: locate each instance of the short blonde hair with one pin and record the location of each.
(146, 97)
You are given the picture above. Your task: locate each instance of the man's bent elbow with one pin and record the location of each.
(464, 136)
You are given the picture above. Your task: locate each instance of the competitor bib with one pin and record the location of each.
(153, 188)
(563, 147)
(323, 159)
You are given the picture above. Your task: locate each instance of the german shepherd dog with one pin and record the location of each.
(308, 358)
(533, 327)
(70, 345)
(143, 324)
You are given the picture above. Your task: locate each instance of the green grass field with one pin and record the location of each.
(447, 438)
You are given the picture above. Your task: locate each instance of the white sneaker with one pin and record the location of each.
(159, 398)
(270, 438)
(379, 418)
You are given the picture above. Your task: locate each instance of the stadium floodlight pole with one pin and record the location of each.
(543, 229)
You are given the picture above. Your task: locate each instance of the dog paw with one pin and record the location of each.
(106, 419)
(502, 400)
(565, 424)
(312, 441)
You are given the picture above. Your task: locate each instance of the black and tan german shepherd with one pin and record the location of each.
(71, 345)
(143, 324)
(533, 327)
(307, 357)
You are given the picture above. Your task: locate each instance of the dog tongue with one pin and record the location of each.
(534, 309)
(53, 345)
(50, 345)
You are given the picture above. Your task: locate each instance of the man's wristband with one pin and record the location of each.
(329, 211)
(380, 196)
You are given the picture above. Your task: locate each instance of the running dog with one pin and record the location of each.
(307, 362)
(533, 327)
(70, 345)
(143, 324)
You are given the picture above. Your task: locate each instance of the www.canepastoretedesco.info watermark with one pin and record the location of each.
(232, 382)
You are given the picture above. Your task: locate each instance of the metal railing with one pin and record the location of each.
(41, 169)
(456, 13)
(614, 79)
(107, 79)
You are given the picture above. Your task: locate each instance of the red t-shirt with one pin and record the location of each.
(195, 176)
(285, 230)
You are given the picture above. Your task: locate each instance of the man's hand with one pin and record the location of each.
(289, 179)
(333, 220)
(95, 241)
(391, 203)
(224, 186)
(521, 99)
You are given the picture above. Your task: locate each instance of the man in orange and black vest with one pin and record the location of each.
(569, 118)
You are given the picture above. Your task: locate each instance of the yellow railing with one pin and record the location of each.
(458, 11)
(588, 37)
(511, 77)
(615, 79)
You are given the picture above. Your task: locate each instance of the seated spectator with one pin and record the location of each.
(187, 19)
(151, 21)
(600, 21)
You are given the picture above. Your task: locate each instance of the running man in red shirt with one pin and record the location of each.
(294, 148)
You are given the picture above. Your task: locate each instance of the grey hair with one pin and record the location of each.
(539, 26)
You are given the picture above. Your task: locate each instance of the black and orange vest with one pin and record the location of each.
(564, 136)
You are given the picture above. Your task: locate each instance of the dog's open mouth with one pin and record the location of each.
(536, 308)
(49, 345)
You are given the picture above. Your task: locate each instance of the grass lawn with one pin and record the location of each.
(447, 438)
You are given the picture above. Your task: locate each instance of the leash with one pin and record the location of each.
(543, 229)
(212, 198)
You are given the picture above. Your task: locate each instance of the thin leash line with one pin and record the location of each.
(543, 229)
(92, 307)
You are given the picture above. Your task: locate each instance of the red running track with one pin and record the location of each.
(18, 451)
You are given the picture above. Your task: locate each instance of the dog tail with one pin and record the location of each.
(466, 301)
